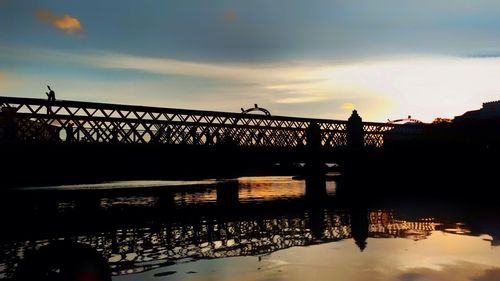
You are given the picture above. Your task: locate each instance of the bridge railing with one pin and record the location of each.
(41, 120)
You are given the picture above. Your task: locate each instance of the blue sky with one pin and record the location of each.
(313, 58)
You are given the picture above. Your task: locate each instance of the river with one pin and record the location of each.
(252, 228)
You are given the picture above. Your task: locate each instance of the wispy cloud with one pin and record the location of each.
(238, 72)
(424, 86)
(285, 83)
(66, 23)
(301, 99)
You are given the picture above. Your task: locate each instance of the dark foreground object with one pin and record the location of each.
(61, 163)
(63, 261)
(52, 164)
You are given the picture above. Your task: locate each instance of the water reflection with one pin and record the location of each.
(243, 217)
(269, 188)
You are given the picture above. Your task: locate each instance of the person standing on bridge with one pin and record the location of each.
(51, 94)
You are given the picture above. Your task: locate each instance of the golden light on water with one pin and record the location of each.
(269, 188)
(444, 257)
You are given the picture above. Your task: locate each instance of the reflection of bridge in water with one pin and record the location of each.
(243, 238)
(139, 229)
(149, 239)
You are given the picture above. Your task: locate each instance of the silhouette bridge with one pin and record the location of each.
(37, 120)
(91, 133)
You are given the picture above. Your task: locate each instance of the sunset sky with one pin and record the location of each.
(315, 58)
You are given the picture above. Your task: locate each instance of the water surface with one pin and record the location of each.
(253, 228)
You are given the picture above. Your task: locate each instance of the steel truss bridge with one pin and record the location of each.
(37, 120)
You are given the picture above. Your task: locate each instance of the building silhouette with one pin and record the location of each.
(490, 110)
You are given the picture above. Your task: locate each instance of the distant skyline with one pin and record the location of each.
(319, 58)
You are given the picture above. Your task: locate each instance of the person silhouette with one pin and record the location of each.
(168, 134)
(114, 135)
(69, 132)
(51, 94)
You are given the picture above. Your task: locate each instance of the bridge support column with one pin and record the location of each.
(10, 128)
(313, 136)
(227, 194)
(355, 133)
(89, 204)
(316, 221)
(315, 166)
(355, 161)
(315, 183)
(166, 201)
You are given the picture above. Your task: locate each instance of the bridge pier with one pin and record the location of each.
(228, 194)
(166, 201)
(354, 131)
(359, 226)
(315, 167)
(315, 185)
(90, 205)
(316, 222)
